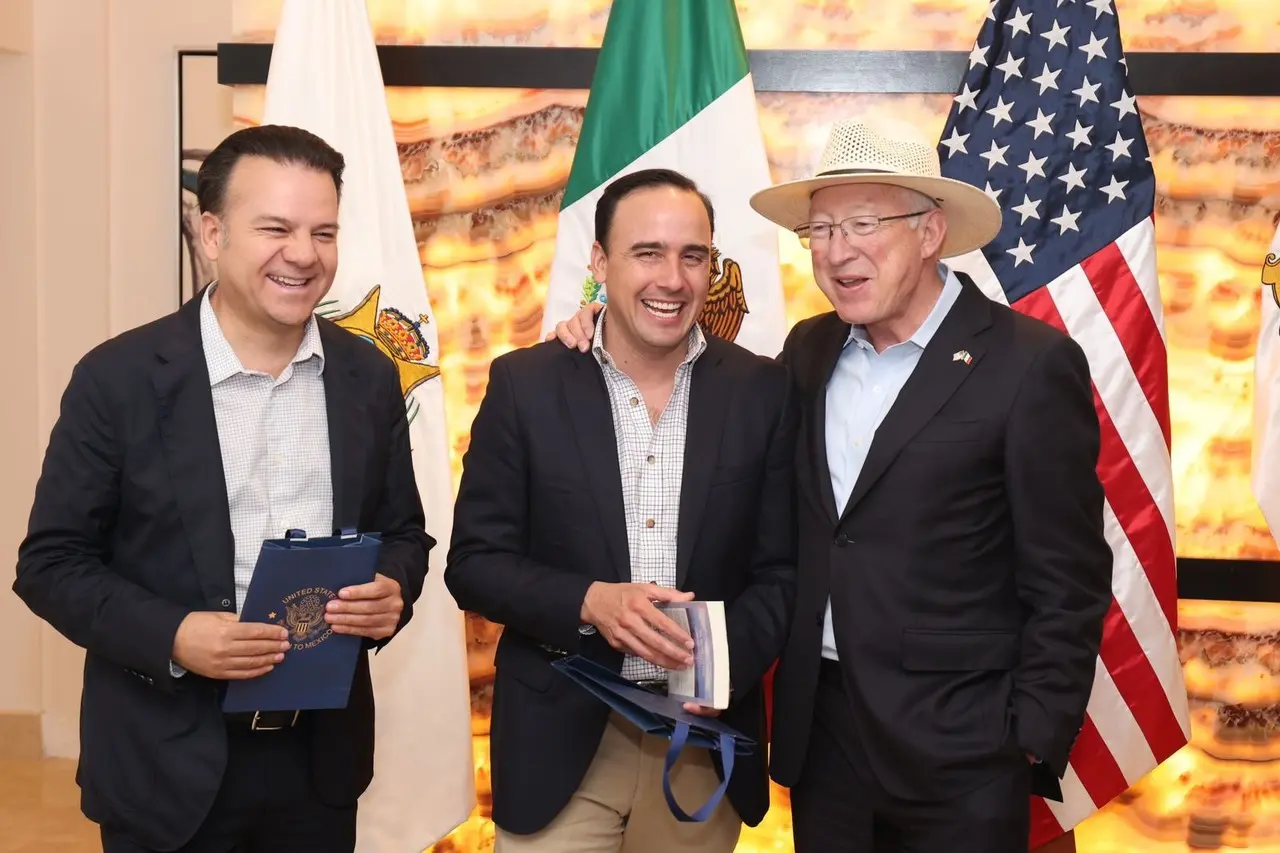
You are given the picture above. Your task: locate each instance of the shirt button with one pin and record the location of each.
(635, 401)
(649, 459)
(649, 523)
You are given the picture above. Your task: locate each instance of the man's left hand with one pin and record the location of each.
(701, 710)
(370, 610)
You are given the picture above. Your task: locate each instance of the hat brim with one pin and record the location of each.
(973, 217)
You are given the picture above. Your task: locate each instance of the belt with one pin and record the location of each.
(263, 721)
(657, 685)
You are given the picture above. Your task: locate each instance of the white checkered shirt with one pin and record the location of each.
(274, 435)
(651, 462)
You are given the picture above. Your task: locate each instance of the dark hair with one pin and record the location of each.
(284, 145)
(616, 191)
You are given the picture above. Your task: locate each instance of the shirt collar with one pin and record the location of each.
(221, 359)
(951, 288)
(697, 343)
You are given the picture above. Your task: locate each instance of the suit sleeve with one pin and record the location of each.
(1064, 561)
(760, 618)
(406, 546)
(63, 574)
(488, 571)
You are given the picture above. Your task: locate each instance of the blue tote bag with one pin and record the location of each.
(664, 717)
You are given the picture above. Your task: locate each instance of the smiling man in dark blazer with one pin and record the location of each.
(655, 467)
(180, 447)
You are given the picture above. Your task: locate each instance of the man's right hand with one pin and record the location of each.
(625, 615)
(579, 329)
(219, 645)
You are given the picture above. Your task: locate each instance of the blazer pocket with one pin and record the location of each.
(954, 431)
(925, 650)
(563, 487)
(526, 665)
(727, 475)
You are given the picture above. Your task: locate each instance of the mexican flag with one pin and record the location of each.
(672, 89)
(325, 78)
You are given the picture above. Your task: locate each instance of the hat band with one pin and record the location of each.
(833, 172)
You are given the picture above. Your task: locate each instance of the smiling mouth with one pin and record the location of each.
(662, 310)
(849, 282)
(289, 282)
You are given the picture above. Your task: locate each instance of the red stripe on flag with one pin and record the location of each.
(1126, 307)
(1096, 766)
(1138, 683)
(1138, 514)
(1039, 304)
(1044, 826)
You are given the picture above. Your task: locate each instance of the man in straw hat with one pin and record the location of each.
(953, 573)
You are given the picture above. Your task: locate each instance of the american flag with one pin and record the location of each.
(1045, 122)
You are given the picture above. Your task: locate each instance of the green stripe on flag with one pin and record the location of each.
(661, 63)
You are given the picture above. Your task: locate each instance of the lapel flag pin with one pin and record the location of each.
(962, 355)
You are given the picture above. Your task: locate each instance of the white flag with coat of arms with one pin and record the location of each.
(325, 78)
(1266, 394)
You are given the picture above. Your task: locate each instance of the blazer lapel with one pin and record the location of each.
(830, 344)
(350, 436)
(935, 378)
(193, 454)
(708, 405)
(587, 401)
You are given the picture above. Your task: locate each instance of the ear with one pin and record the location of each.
(212, 235)
(933, 231)
(599, 263)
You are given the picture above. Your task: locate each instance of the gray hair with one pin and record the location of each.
(914, 200)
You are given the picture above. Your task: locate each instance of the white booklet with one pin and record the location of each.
(707, 681)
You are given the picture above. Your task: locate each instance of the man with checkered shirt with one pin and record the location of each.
(656, 467)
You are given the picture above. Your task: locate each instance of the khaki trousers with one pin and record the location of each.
(619, 807)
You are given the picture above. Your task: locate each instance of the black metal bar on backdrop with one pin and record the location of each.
(1228, 580)
(861, 71)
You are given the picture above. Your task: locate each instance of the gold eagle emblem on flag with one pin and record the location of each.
(726, 300)
(1271, 275)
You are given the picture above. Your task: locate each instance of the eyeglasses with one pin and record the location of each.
(863, 225)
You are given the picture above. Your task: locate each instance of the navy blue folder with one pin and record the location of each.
(293, 581)
(662, 716)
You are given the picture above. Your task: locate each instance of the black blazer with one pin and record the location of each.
(539, 517)
(968, 574)
(130, 531)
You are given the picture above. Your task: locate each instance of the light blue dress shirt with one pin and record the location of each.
(860, 393)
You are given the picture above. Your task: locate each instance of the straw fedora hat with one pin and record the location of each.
(857, 153)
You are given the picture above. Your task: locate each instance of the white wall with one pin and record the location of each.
(15, 25)
(88, 160)
(19, 439)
